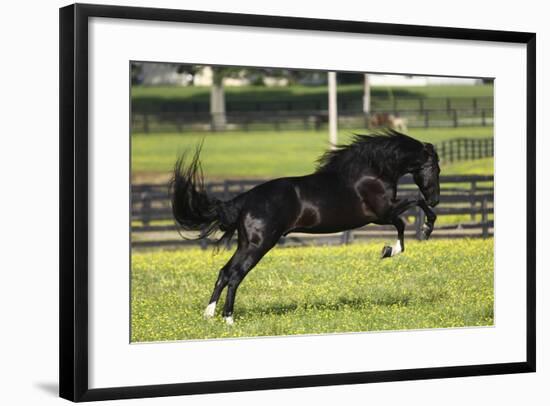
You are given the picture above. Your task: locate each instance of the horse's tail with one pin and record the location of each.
(193, 209)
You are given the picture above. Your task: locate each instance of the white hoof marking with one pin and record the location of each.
(229, 320)
(210, 310)
(396, 249)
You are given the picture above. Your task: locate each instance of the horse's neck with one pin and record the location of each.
(389, 179)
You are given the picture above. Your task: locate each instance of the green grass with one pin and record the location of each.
(255, 155)
(483, 166)
(316, 290)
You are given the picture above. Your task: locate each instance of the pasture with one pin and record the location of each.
(316, 290)
(265, 154)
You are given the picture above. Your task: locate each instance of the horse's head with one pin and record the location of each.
(426, 176)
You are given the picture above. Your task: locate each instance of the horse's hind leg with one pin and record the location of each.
(221, 283)
(232, 273)
(245, 259)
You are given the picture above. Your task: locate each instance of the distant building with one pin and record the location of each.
(163, 74)
(170, 74)
(405, 80)
(204, 77)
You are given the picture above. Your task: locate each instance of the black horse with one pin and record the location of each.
(353, 185)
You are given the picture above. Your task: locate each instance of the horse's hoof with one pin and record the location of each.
(210, 311)
(426, 232)
(386, 251)
(229, 320)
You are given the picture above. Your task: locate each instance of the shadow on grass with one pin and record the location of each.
(344, 302)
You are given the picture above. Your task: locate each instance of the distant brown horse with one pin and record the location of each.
(387, 120)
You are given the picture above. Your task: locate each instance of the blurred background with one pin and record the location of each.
(262, 123)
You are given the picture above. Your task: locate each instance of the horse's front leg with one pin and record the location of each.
(428, 226)
(402, 206)
(399, 246)
(399, 208)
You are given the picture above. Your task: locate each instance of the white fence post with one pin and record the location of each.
(332, 110)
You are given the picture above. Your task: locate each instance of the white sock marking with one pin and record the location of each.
(229, 320)
(210, 310)
(396, 249)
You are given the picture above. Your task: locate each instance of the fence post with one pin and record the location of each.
(421, 105)
(483, 121)
(345, 238)
(448, 105)
(455, 118)
(474, 104)
(484, 219)
(203, 242)
(473, 200)
(225, 190)
(444, 150)
(426, 119)
(146, 209)
(145, 123)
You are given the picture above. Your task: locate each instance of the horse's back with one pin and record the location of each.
(272, 204)
(317, 203)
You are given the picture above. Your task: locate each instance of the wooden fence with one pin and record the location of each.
(463, 149)
(348, 103)
(284, 120)
(465, 210)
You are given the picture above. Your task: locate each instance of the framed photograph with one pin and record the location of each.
(256, 202)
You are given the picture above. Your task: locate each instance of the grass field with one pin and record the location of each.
(316, 290)
(265, 154)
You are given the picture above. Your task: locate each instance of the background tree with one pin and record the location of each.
(253, 75)
(217, 95)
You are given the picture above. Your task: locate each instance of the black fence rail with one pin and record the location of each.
(349, 103)
(465, 210)
(284, 120)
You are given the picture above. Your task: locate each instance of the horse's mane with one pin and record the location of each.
(388, 153)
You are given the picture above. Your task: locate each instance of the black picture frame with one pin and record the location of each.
(73, 278)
